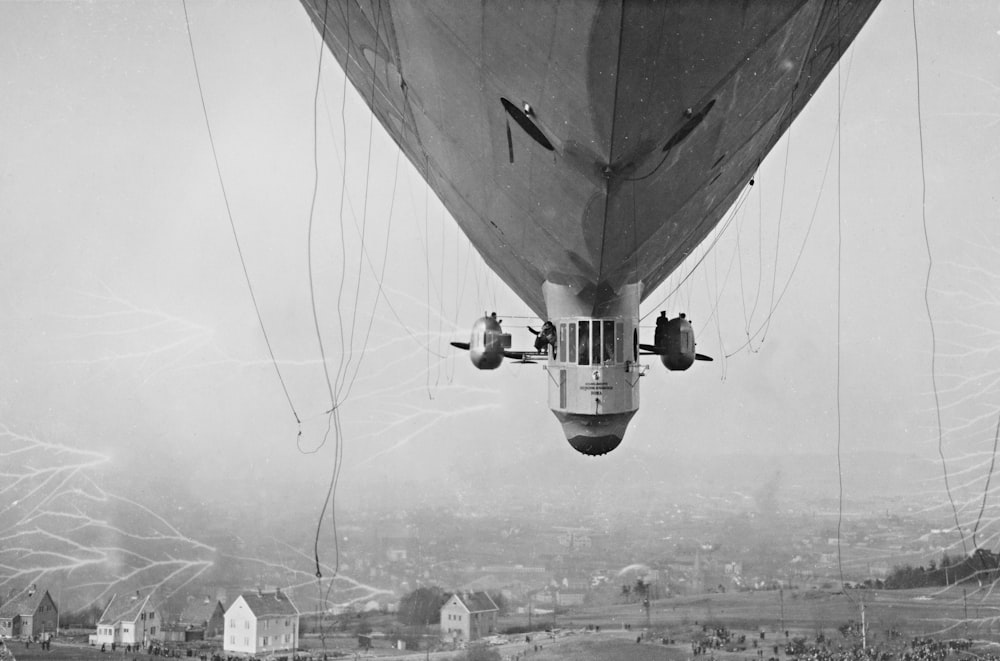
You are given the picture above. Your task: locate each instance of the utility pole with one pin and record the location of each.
(781, 600)
(864, 625)
(965, 605)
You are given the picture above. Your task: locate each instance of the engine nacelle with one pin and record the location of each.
(487, 343)
(674, 339)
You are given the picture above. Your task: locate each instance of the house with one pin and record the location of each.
(30, 613)
(203, 619)
(261, 623)
(176, 633)
(467, 616)
(129, 621)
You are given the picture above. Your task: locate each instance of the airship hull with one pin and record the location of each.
(587, 144)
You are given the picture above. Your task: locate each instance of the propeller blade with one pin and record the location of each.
(701, 356)
(652, 350)
(460, 345)
(527, 356)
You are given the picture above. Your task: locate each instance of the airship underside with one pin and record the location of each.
(586, 148)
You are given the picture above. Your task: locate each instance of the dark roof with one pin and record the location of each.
(475, 602)
(262, 604)
(25, 603)
(123, 609)
(199, 611)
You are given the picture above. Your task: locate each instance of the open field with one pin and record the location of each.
(68, 653)
(941, 612)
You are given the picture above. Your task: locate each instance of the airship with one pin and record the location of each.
(586, 148)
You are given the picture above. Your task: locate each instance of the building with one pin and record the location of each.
(566, 597)
(129, 621)
(30, 613)
(176, 633)
(261, 623)
(468, 616)
(203, 619)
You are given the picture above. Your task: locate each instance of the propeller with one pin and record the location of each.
(653, 350)
(516, 356)
(521, 356)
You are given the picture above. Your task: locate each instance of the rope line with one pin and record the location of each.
(232, 223)
(986, 489)
(927, 281)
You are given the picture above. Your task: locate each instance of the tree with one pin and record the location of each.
(501, 601)
(422, 606)
(641, 587)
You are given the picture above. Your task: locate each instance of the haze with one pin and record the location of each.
(133, 369)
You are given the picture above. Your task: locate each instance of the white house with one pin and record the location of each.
(30, 613)
(468, 616)
(261, 623)
(128, 621)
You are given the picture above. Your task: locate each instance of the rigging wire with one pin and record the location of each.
(744, 194)
(330, 495)
(927, 280)
(739, 256)
(840, 286)
(371, 265)
(986, 489)
(342, 375)
(812, 220)
(347, 385)
(462, 275)
(760, 247)
(381, 279)
(715, 314)
(232, 223)
(309, 231)
(427, 289)
(781, 199)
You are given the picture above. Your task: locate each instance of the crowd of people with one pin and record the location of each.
(917, 649)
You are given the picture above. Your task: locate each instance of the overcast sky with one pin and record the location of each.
(127, 326)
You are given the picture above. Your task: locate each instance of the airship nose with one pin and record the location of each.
(594, 434)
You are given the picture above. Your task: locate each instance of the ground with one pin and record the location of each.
(952, 613)
(60, 652)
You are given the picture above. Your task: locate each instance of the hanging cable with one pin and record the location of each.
(312, 299)
(739, 255)
(342, 374)
(732, 214)
(427, 281)
(927, 281)
(812, 220)
(781, 199)
(760, 246)
(840, 262)
(986, 489)
(346, 384)
(232, 223)
(309, 232)
(371, 265)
